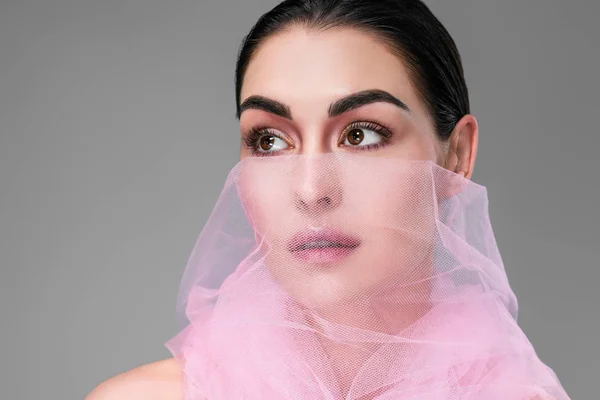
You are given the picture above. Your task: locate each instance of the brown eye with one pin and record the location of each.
(359, 136)
(266, 142)
(262, 141)
(355, 136)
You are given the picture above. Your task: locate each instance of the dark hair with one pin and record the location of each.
(406, 27)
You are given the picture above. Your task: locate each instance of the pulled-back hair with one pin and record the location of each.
(406, 27)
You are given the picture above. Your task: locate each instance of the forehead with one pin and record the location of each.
(301, 67)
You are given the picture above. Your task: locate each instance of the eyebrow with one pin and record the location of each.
(338, 107)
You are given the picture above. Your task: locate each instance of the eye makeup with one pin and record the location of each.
(253, 137)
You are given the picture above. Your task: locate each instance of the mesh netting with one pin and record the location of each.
(342, 276)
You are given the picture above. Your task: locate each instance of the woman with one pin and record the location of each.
(349, 255)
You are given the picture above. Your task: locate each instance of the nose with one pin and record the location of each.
(317, 188)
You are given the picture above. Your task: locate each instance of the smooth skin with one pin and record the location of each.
(307, 70)
(160, 380)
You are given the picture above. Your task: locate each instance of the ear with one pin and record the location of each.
(462, 147)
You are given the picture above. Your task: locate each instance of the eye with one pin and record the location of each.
(263, 141)
(271, 143)
(365, 134)
(356, 136)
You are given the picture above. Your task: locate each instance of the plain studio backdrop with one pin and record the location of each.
(117, 131)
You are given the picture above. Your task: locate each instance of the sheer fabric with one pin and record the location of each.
(344, 276)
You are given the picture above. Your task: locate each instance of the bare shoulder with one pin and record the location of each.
(157, 380)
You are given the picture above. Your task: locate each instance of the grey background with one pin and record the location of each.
(117, 130)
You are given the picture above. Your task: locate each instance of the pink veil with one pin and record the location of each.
(344, 276)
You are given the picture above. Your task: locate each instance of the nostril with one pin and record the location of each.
(325, 200)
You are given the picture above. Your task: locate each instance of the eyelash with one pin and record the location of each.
(252, 137)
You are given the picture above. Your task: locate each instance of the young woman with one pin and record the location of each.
(349, 255)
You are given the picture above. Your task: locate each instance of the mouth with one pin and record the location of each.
(325, 245)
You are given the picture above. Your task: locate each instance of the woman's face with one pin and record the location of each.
(376, 112)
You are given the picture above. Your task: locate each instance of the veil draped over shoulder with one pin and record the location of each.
(341, 276)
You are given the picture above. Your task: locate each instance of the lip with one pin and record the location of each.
(346, 244)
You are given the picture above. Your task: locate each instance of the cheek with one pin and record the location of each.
(259, 191)
(399, 219)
